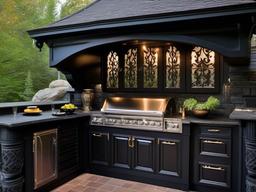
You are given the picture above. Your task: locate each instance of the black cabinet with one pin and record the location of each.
(213, 166)
(144, 153)
(99, 148)
(169, 157)
(146, 156)
(133, 152)
(121, 151)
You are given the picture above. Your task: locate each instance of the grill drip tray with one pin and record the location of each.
(150, 123)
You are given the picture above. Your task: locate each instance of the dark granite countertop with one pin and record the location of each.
(243, 114)
(10, 121)
(211, 120)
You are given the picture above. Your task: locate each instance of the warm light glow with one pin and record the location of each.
(144, 47)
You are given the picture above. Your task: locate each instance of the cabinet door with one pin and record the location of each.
(121, 151)
(45, 157)
(169, 157)
(144, 153)
(99, 148)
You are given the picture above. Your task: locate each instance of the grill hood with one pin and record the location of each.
(136, 106)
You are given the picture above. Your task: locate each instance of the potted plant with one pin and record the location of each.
(201, 109)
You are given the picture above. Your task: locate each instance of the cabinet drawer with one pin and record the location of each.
(213, 174)
(215, 147)
(216, 131)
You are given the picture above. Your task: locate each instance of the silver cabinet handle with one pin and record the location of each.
(144, 141)
(212, 168)
(168, 143)
(213, 142)
(214, 130)
(97, 134)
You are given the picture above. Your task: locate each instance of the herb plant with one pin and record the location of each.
(192, 104)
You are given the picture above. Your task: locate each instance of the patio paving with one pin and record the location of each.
(95, 183)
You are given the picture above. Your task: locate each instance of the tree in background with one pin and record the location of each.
(17, 52)
(28, 92)
(70, 6)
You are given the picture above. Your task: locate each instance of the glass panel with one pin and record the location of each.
(130, 68)
(172, 68)
(113, 69)
(203, 68)
(150, 67)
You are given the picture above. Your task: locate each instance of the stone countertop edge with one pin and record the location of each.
(8, 121)
(243, 115)
(211, 121)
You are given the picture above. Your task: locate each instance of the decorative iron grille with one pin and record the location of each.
(130, 68)
(173, 68)
(203, 68)
(150, 67)
(112, 70)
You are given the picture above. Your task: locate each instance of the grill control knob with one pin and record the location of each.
(158, 123)
(152, 123)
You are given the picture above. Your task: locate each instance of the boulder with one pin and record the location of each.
(50, 94)
(59, 83)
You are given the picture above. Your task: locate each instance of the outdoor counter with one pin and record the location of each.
(8, 120)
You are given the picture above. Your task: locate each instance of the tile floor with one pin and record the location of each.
(95, 183)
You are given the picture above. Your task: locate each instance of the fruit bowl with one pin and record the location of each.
(69, 109)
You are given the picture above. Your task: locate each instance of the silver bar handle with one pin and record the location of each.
(213, 142)
(168, 143)
(212, 168)
(97, 134)
(214, 130)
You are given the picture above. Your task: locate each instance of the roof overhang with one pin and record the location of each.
(236, 10)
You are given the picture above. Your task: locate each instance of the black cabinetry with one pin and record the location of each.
(169, 157)
(147, 156)
(99, 148)
(213, 158)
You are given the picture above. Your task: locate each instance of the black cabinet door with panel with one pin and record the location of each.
(121, 153)
(144, 153)
(99, 148)
(169, 157)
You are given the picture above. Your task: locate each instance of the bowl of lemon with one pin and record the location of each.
(69, 109)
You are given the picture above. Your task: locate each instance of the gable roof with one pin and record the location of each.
(117, 10)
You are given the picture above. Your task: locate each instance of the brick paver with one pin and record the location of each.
(95, 183)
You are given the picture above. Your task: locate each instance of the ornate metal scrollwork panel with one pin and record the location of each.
(150, 67)
(12, 159)
(130, 68)
(202, 68)
(172, 68)
(112, 70)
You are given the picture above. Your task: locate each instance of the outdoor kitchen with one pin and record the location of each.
(163, 93)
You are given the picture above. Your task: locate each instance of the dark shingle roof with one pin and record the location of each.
(102, 10)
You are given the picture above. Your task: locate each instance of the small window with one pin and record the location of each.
(150, 67)
(112, 70)
(130, 68)
(172, 68)
(202, 68)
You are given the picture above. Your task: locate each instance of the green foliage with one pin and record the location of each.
(28, 92)
(211, 104)
(18, 53)
(70, 6)
(190, 104)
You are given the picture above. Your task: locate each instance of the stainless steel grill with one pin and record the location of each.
(137, 113)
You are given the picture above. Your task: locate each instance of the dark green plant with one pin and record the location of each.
(211, 104)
